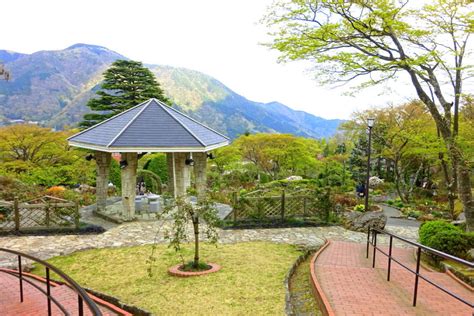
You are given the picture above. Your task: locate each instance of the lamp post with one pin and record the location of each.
(370, 124)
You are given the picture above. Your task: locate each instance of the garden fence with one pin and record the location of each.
(45, 213)
(308, 204)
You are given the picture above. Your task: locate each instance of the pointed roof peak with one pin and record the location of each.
(145, 128)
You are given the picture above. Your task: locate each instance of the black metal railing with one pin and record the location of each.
(82, 295)
(419, 247)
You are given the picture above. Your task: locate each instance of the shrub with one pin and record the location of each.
(57, 191)
(159, 166)
(453, 242)
(359, 208)
(375, 182)
(437, 214)
(414, 213)
(429, 229)
(377, 192)
(114, 175)
(344, 200)
(390, 202)
(446, 237)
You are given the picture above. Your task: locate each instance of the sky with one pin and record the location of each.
(219, 38)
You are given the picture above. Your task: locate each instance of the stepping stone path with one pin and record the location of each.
(353, 287)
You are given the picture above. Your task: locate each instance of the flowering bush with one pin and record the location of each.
(56, 191)
(375, 182)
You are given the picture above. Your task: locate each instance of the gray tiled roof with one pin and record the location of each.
(151, 124)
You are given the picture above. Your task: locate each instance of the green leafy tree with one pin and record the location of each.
(358, 160)
(126, 84)
(38, 155)
(382, 39)
(183, 212)
(280, 155)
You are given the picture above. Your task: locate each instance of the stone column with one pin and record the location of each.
(129, 185)
(200, 174)
(102, 160)
(180, 165)
(187, 173)
(169, 162)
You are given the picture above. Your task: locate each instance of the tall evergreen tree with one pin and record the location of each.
(126, 84)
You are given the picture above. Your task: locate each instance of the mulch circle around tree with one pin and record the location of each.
(175, 271)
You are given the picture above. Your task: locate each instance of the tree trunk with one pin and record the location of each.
(463, 181)
(398, 181)
(196, 241)
(465, 193)
(449, 184)
(454, 153)
(415, 179)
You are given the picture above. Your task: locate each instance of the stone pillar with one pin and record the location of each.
(181, 167)
(187, 171)
(102, 160)
(129, 185)
(169, 162)
(200, 174)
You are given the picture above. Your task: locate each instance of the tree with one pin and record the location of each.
(382, 39)
(405, 138)
(279, 155)
(126, 84)
(41, 156)
(183, 212)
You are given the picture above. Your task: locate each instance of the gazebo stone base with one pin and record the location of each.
(114, 214)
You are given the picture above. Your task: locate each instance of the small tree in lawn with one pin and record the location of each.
(183, 214)
(126, 84)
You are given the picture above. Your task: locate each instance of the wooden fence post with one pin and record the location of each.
(282, 205)
(16, 214)
(234, 202)
(305, 207)
(47, 215)
(77, 215)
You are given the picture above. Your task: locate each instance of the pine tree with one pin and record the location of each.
(126, 84)
(358, 160)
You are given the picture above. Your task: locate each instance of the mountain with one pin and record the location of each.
(52, 87)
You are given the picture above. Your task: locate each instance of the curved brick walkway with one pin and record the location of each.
(35, 302)
(353, 287)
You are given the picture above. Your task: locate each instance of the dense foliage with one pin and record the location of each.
(380, 40)
(39, 156)
(257, 159)
(447, 238)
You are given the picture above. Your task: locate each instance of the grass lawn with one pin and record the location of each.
(250, 282)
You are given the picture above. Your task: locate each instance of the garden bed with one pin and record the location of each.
(84, 229)
(278, 223)
(250, 282)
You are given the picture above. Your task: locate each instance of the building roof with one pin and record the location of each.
(151, 126)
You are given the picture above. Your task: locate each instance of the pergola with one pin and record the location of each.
(151, 126)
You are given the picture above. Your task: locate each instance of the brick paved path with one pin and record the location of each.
(354, 288)
(35, 302)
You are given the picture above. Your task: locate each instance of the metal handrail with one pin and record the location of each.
(420, 247)
(82, 294)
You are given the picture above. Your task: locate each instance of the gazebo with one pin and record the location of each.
(151, 126)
